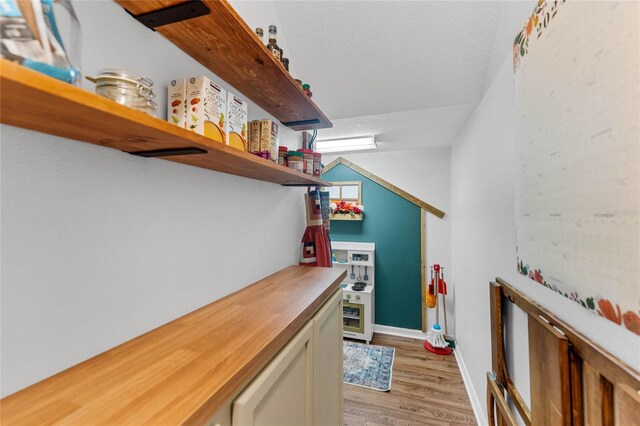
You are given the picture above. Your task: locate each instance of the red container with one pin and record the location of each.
(283, 152)
(317, 164)
(308, 161)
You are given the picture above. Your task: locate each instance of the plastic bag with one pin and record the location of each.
(30, 36)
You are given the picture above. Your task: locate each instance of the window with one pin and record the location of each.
(350, 192)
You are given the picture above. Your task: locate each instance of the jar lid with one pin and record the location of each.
(295, 154)
(306, 151)
(124, 79)
(306, 86)
(283, 149)
(118, 74)
(317, 154)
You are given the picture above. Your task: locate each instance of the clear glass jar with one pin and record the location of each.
(126, 89)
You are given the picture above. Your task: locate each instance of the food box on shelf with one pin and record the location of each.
(269, 139)
(237, 112)
(206, 108)
(254, 137)
(177, 102)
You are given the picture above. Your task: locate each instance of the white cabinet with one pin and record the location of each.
(282, 394)
(327, 363)
(302, 385)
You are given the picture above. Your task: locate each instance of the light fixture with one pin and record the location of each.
(346, 144)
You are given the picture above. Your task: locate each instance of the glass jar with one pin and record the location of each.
(307, 89)
(295, 161)
(317, 164)
(283, 153)
(308, 160)
(126, 89)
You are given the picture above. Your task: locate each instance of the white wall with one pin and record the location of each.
(425, 174)
(483, 242)
(483, 232)
(99, 246)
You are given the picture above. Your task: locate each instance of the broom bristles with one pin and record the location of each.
(436, 337)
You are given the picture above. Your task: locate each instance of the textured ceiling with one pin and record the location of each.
(377, 57)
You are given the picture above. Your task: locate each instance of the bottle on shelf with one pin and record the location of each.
(260, 34)
(273, 46)
(281, 54)
(307, 89)
(285, 62)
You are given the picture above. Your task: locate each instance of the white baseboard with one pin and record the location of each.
(400, 332)
(473, 397)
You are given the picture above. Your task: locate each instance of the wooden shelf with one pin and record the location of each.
(38, 102)
(346, 216)
(224, 43)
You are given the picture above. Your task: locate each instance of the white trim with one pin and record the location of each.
(473, 397)
(400, 332)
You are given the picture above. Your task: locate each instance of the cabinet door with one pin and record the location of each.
(282, 393)
(328, 359)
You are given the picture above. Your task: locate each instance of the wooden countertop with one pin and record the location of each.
(183, 371)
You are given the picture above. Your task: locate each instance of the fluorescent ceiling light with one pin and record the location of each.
(348, 144)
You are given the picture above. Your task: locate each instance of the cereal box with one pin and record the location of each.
(177, 102)
(206, 108)
(237, 122)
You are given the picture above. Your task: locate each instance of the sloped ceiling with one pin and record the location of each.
(407, 130)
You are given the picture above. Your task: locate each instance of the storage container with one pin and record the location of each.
(308, 160)
(295, 160)
(283, 153)
(317, 164)
(126, 89)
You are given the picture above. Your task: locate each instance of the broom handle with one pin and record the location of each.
(444, 312)
(437, 285)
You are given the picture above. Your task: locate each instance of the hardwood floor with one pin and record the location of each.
(426, 389)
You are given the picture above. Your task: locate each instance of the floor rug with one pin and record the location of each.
(369, 366)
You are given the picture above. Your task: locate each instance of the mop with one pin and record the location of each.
(435, 337)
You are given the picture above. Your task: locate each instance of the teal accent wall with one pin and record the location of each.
(393, 224)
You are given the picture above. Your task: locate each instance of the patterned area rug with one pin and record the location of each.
(368, 366)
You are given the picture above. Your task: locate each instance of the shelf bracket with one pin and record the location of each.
(172, 14)
(168, 152)
(301, 122)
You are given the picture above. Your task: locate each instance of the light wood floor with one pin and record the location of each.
(426, 389)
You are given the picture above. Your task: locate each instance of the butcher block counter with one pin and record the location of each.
(188, 369)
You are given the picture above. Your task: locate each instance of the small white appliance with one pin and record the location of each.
(358, 308)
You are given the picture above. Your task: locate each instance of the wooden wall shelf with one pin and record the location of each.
(34, 101)
(346, 216)
(224, 43)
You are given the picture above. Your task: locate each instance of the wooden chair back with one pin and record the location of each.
(574, 381)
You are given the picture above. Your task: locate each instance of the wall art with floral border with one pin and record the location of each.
(577, 92)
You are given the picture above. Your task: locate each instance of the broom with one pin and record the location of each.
(435, 337)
